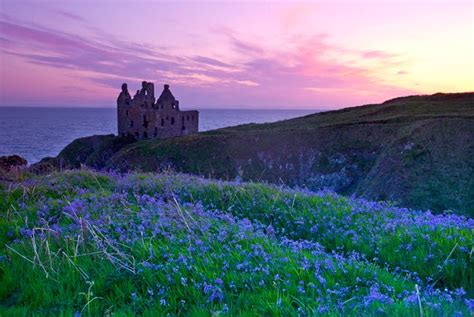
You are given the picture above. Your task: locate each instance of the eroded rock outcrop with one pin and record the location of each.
(12, 166)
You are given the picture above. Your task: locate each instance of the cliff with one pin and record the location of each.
(417, 151)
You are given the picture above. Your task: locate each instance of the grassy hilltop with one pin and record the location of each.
(93, 244)
(417, 151)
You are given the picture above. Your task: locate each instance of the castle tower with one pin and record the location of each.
(142, 118)
(124, 104)
(167, 101)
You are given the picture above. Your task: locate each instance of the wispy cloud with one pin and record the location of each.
(377, 54)
(302, 76)
(210, 61)
(70, 15)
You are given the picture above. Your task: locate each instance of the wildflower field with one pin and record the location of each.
(82, 243)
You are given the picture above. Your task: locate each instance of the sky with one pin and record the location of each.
(223, 54)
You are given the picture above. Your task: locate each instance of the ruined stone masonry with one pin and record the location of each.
(144, 118)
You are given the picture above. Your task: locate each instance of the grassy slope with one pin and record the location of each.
(418, 151)
(128, 245)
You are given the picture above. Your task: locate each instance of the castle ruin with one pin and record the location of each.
(144, 118)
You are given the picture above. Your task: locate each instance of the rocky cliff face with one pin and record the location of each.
(11, 167)
(417, 151)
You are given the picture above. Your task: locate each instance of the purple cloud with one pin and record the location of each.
(70, 15)
(301, 77)
(377, 54)
(210, 61)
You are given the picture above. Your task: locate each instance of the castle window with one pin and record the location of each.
(126, 113)
(145, 135)
(156, 132)
(187, 118)
(131, 124)
(145, 123)
(183, 128)
(172, 120)
(162, 122)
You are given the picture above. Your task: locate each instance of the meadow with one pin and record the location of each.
(82, 243)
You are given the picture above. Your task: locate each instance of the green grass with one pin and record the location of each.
(129, 269)
(416, 151)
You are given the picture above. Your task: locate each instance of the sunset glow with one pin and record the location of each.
(319, 54)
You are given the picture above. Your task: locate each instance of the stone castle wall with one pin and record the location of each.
(144, 118)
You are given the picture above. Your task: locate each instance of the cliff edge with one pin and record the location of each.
(417, 151)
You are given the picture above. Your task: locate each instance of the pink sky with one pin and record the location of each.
(222, 54)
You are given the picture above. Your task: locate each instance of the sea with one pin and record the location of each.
(35, 133)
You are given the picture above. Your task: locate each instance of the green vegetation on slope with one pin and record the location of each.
(417, 151)
(173, 244)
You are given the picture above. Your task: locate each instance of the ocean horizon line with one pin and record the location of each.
(198, 108)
